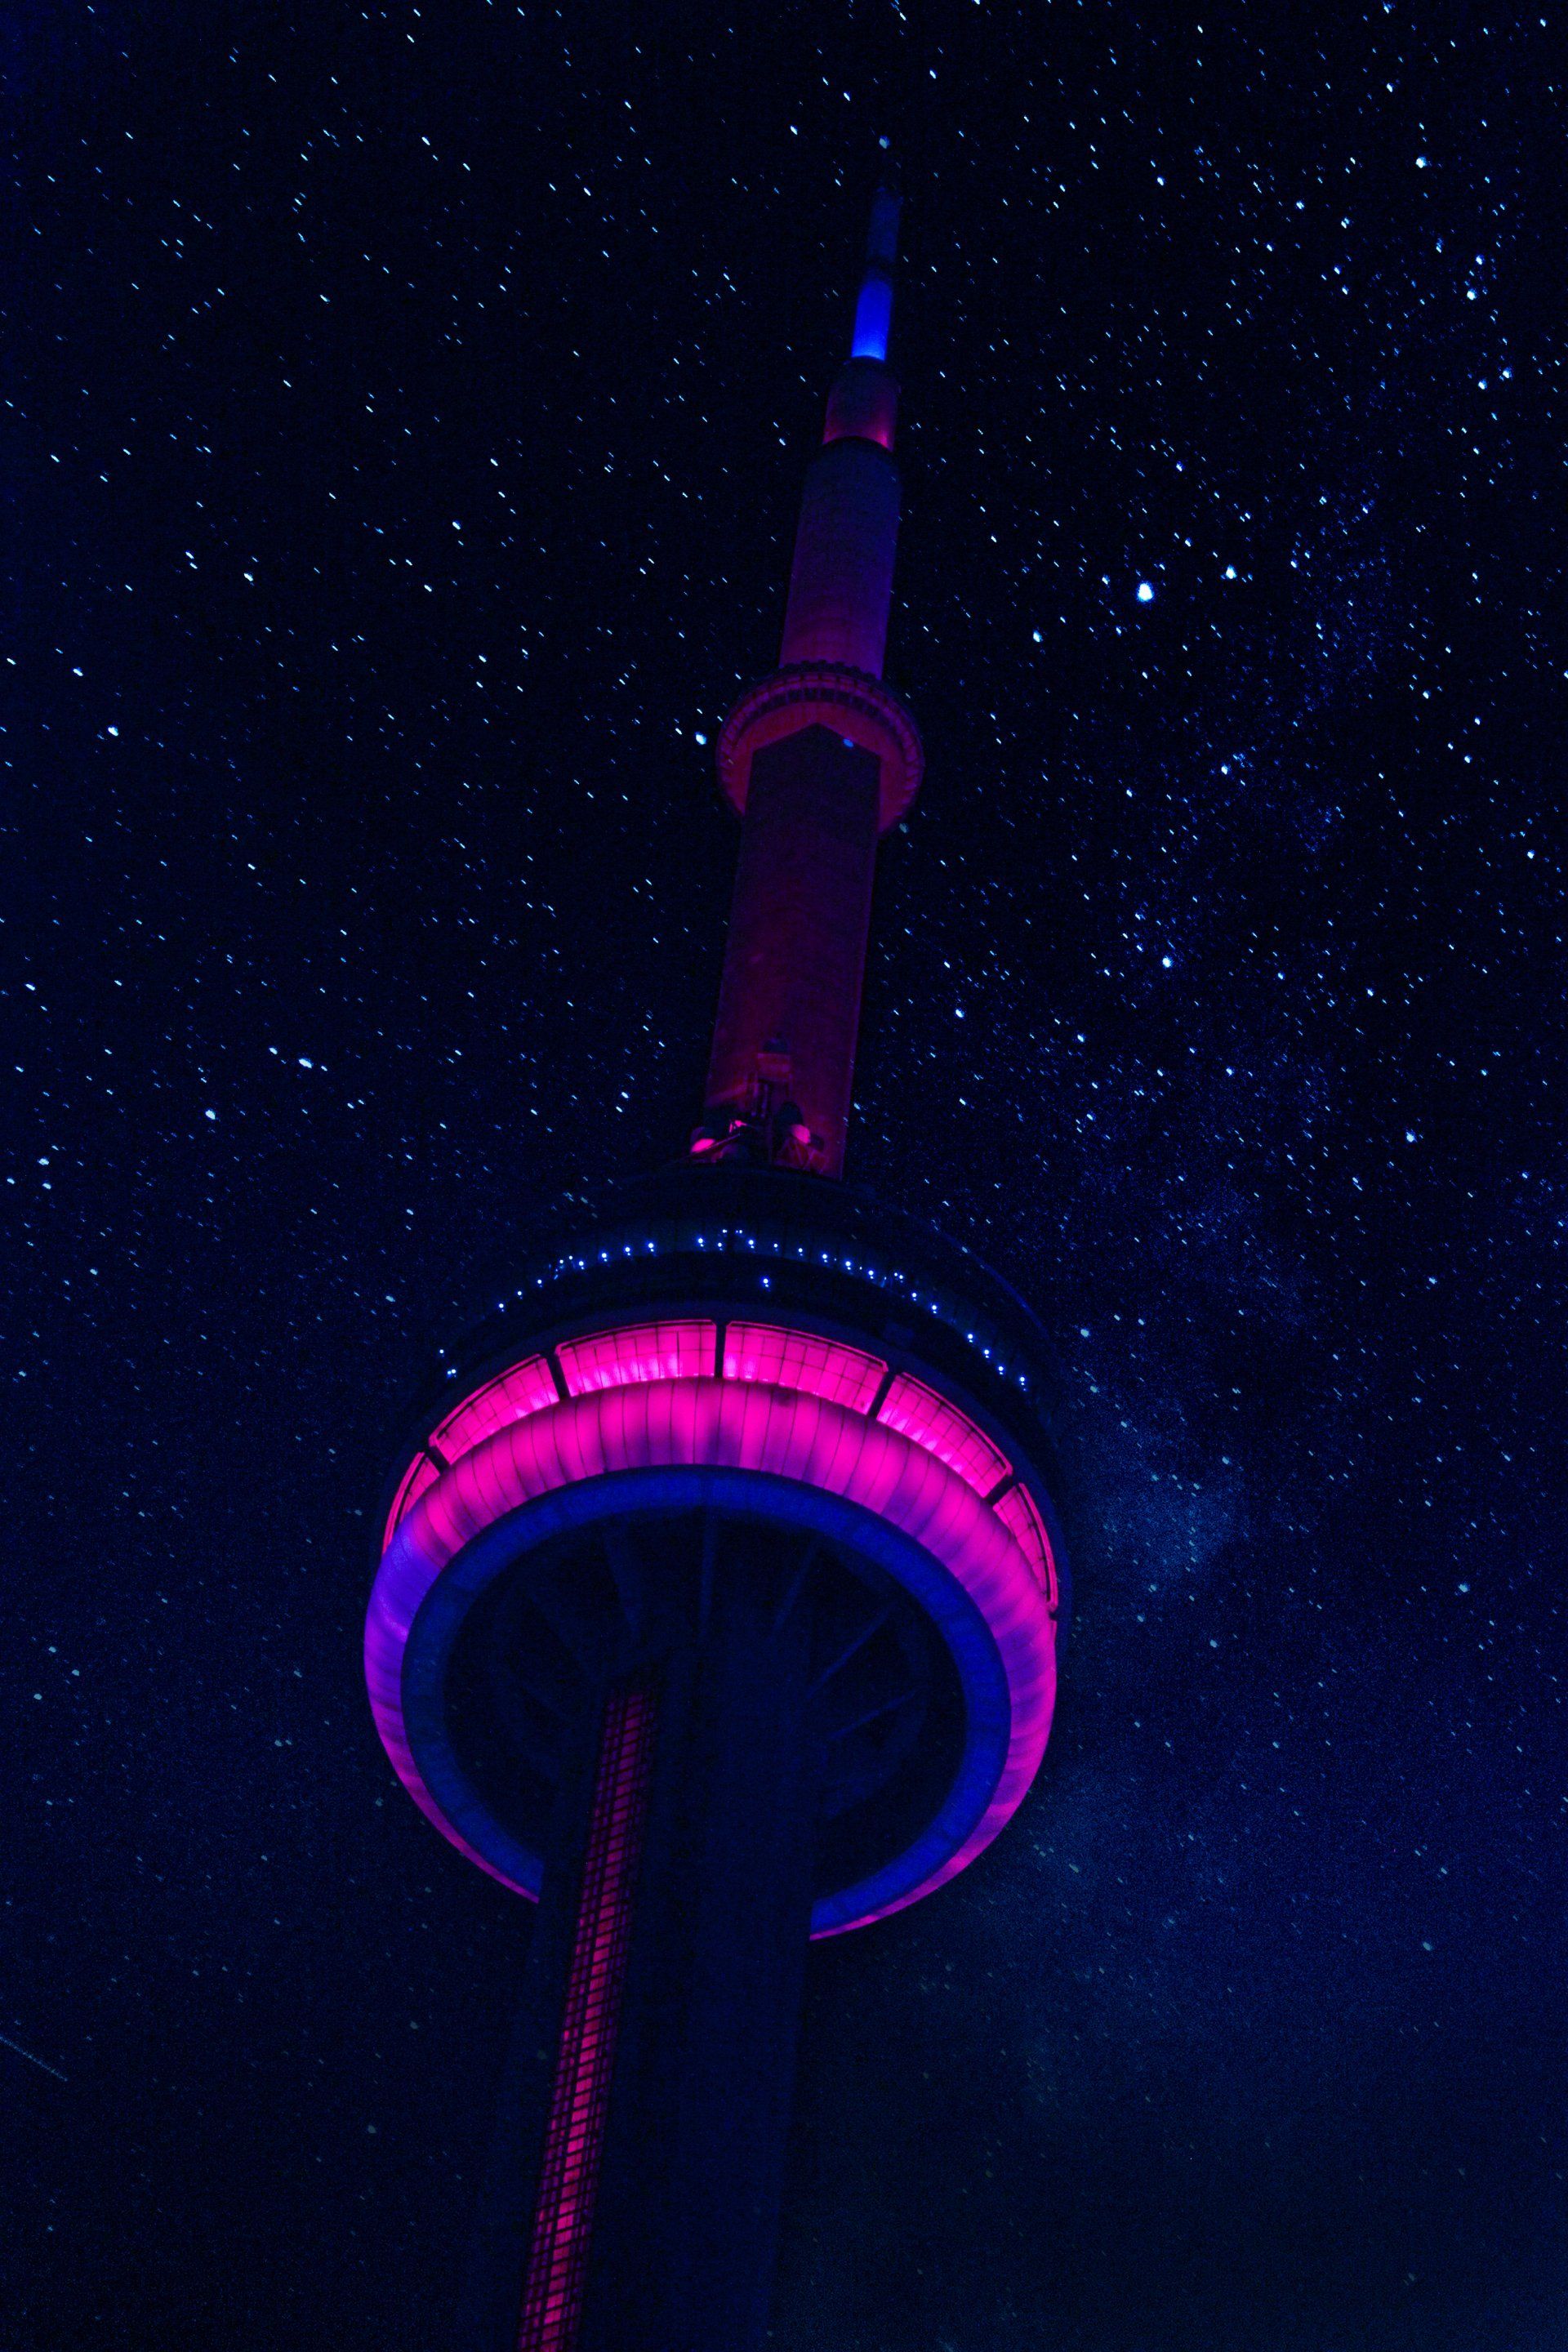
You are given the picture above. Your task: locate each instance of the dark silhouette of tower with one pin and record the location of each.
(718, 1598)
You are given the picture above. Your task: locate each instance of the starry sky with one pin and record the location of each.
(406, 411)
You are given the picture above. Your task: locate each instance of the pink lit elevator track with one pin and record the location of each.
(574, 2133)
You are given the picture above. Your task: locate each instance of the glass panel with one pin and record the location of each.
(799, 1359)
(1016, 1511)
(421, 1473)
(928, 1420)
(644, 1351)
(511, 1396)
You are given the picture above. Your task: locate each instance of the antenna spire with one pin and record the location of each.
(874, 309)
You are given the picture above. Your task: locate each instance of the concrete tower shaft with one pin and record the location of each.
(841, 581)
(819, 759)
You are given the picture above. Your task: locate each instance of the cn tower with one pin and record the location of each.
(718, 1595)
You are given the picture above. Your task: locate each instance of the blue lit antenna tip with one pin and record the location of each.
(873, 311)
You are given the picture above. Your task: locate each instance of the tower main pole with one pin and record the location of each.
(717, 1599)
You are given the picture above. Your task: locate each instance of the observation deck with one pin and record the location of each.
(748, 1390)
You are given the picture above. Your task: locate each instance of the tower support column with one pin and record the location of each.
(692, 2172)
(662, 2000)
(789, 1001)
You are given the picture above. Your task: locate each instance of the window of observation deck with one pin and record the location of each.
(928, 1420)
(799, 1359)
(644, 1351)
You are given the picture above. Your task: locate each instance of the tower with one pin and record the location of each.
(717, 1599)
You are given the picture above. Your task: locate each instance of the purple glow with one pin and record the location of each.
(787, 1434)
(799, 1359)
(684, 1350)
(917, 1412)
(421, 1473)
(526, 1388)
(644, 1351)
(1016, 1511)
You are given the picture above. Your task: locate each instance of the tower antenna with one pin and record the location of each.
(874, 308)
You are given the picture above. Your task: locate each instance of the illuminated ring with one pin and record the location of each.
(803, 1459)
(851, 702)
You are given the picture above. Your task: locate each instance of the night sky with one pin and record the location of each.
(406, 412)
